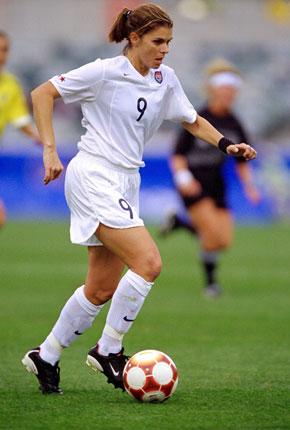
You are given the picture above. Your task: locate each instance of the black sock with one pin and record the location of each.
(209, 260)
(210, 272)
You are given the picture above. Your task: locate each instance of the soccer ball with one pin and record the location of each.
(150, 376)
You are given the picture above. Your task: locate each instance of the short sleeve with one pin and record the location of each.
(18, 111)
(80, 84)
(179, 107)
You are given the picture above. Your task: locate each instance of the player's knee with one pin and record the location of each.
(215, 243)
(149, 267)
(155, 267)
(220, 244)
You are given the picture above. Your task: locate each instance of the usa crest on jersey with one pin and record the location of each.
(158, 76)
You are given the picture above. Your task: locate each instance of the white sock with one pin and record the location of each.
(77, 315)
(125, 306)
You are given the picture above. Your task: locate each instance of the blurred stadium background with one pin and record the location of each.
(52, 37)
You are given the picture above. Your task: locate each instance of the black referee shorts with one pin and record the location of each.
(213, 186)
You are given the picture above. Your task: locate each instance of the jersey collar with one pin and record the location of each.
(132, 71)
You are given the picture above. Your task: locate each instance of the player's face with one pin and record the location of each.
(152, 47)
(223, 95)
(4, 51)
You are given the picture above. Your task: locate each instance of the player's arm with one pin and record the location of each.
(245, 175)
(202, 129)
(43, 101)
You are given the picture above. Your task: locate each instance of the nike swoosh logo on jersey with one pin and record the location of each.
(113, 370)
(127, 319)
(78, 333)
(126, 74)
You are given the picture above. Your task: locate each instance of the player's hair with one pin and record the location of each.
(220, 65)
(141, 20)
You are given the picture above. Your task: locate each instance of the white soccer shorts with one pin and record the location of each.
(98, 192)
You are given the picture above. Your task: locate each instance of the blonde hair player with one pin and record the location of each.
(13, 106)
(124, 100)
(198, 173)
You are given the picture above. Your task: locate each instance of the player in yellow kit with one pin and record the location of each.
(13, 107)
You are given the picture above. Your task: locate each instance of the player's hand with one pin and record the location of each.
(242, 150)
(52, 165)
(191, 189)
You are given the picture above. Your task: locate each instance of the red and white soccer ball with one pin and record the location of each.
(150, 376)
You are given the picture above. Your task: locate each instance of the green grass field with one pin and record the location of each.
(233, 354)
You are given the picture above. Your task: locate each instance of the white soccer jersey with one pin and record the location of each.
(121, 108)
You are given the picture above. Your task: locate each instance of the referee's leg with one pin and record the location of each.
(215, 230)
(214, 225)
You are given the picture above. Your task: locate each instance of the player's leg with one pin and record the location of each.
(2, 214)
(79, 312)
(215, 230)
(137, 250)
(76, 316)
(103, 275)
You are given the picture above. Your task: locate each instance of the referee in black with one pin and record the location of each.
(197, 172)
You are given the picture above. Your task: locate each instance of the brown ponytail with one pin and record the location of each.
(141, 20)
(119, 30)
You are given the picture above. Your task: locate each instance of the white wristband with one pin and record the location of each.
(183, 177)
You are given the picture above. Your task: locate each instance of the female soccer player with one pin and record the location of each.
(197, 170)
(13, 108)
(124, 100)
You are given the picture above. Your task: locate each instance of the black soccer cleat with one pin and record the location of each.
(111, 366)
(48, 376)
